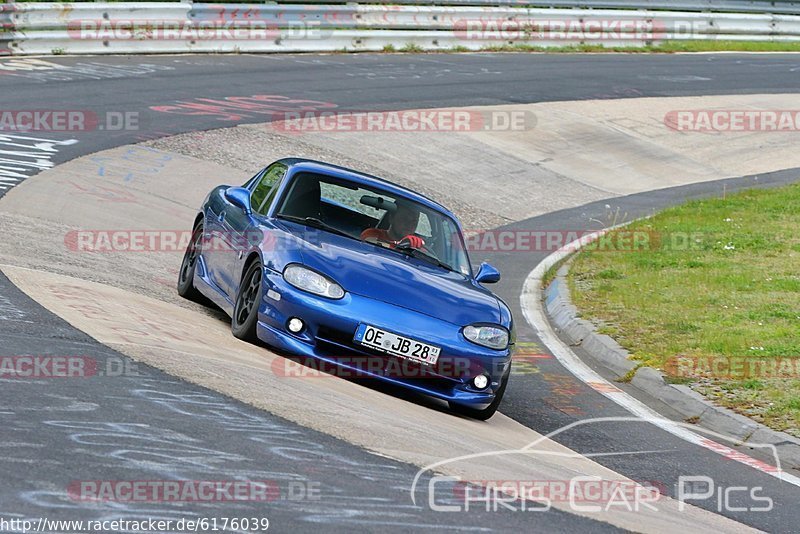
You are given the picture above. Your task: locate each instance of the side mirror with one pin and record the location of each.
(239, 197)
(487, 274)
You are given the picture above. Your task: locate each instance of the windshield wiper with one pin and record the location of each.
(417, 253)
(314, 223)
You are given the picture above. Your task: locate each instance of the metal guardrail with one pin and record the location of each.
(35, 16)
(6, 26)
(449, 18)
(784, 7)
(170, 27)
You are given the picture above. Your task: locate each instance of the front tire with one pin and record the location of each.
(484, 413)
(186, 287)
(248, 298)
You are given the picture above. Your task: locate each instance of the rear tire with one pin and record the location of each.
(248, 298)
(484, 413)
(186, 287)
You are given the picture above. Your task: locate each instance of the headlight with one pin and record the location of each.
(313, 282)
(494, 337)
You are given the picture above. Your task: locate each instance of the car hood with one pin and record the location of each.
(394, 278)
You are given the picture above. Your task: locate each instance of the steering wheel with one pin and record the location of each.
(423, 248)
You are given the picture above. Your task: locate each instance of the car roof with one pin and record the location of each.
(310, 165)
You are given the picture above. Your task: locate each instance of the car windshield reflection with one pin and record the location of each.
(375, 216)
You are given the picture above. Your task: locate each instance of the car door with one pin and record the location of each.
(213, 241)
(241, 230)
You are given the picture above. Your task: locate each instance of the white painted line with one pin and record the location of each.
(532, 310)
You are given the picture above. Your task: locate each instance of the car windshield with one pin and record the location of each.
(375, 216)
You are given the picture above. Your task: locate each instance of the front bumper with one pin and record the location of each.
(331, 326)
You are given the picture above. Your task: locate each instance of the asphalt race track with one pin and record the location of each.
(368, 82)
(154, 426)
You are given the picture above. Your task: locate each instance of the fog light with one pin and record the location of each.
(480, 381)
(295, 325)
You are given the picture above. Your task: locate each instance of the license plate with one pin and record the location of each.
(396, 345)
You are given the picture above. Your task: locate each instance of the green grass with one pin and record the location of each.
(716, 278)
(551, 273)
(670, 47)
(732, 46)
(411, 48)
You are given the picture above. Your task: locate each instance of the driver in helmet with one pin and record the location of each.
(401, 229)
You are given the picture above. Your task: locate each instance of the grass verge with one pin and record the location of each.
(669, 47)
(709, 292)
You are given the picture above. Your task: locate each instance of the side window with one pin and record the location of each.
(264, 191)
(424, 226)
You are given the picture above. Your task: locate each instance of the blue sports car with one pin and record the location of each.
(328, 263)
